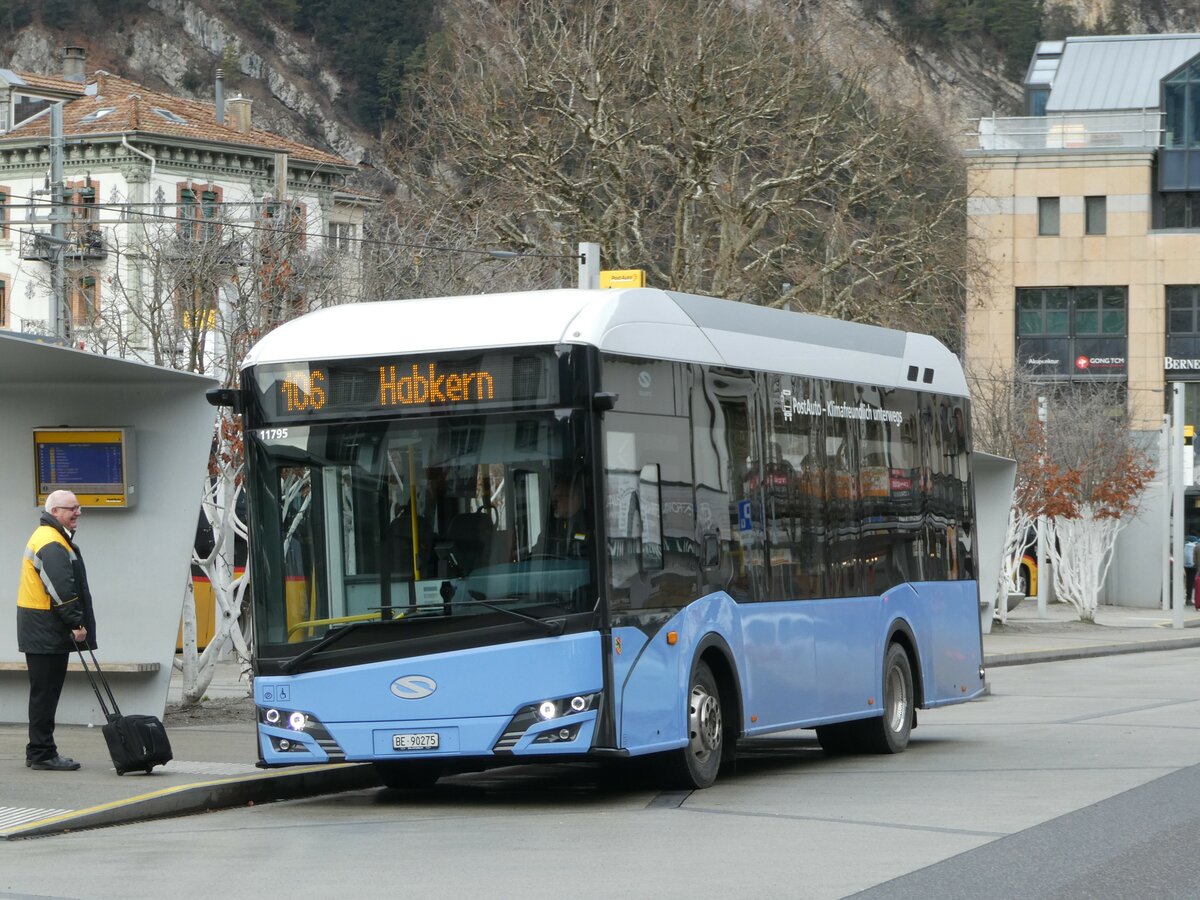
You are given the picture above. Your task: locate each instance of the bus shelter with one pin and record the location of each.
(136, 539)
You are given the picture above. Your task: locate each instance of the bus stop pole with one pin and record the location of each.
(1177, 488)
(1043, 586)
(589, 266)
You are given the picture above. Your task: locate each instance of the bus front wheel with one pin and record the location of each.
(696, 765)
(889, 733)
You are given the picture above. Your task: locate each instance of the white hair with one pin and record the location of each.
(56, 499)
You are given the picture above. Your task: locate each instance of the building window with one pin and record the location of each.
(1179, 209)
(1076, 333)
(1179, 158)
(5, 199)
(340, 236)
(199, 211)
(1047, 216)
(81, 203)
(1181, 107)
(1043, 312)
(4, 302)
(85, 300)
(1095, 215)
(26, 106)
(197, 304)
(1183, 330)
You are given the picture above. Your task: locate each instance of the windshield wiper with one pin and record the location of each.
(551, 628)
(289, 666)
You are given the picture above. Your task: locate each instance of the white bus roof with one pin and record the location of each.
(642, 322)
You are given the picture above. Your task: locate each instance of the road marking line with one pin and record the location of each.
(11, 816)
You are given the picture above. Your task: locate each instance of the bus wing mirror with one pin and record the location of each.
(222, 397)
(603, 401)
(712, 551)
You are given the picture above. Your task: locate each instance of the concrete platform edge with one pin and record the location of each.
(264, 787)
(996, 660)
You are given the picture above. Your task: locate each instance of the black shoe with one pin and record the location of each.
(56, 764)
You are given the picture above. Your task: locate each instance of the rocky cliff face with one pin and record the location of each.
(179, 44)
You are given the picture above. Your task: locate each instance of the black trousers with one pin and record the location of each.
(47, 672)
(1189, 582)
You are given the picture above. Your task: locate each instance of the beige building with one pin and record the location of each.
(1087, 213)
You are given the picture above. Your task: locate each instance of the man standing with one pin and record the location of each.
(1189, 568)
(565, 535)
(54, 611)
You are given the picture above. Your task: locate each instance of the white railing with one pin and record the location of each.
(1073, 131)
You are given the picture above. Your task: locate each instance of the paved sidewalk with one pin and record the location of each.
(1028, 638)
(214, 765)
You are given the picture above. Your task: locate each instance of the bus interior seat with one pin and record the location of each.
(471, 534)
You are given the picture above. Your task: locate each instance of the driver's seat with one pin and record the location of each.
(470, 535)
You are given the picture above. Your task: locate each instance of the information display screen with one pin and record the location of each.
(336, 389)
(94, 464)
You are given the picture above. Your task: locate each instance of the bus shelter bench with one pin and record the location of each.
(136, 668)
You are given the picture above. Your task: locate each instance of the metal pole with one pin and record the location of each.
(1041, 534)
(60, 312)
(1164, 457)
(589, 266)
(1177, 506)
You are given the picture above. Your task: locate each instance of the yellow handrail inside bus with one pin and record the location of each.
(338, 620)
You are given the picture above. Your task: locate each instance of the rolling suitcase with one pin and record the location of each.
(135, 743)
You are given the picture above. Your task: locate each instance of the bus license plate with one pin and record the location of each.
(415, 741)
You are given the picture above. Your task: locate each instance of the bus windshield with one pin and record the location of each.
(437, 525)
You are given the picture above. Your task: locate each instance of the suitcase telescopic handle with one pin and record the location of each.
(116, 710)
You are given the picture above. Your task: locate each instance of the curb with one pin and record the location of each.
(997, 660)
(263, 787)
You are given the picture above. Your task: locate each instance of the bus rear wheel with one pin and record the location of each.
(889, 733)
(696, 765)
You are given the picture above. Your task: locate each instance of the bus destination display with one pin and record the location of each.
(399, 385)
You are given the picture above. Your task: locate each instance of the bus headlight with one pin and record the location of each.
(297, 721)
(545, 711)
(271, 717)
(565, 706)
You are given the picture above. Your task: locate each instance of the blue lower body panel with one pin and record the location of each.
(483, 702)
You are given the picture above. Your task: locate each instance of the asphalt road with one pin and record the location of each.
(1073, 779)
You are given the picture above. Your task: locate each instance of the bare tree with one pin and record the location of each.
(194, 293)
(725, 158)
(1003, 417)
(1087, 476)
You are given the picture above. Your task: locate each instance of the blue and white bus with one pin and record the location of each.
(771, 528)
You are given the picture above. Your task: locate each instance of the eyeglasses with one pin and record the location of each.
(74, 509)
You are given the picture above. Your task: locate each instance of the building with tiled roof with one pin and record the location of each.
(156, 186)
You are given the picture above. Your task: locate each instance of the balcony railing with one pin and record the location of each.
(1139, 130)
(82, 243)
